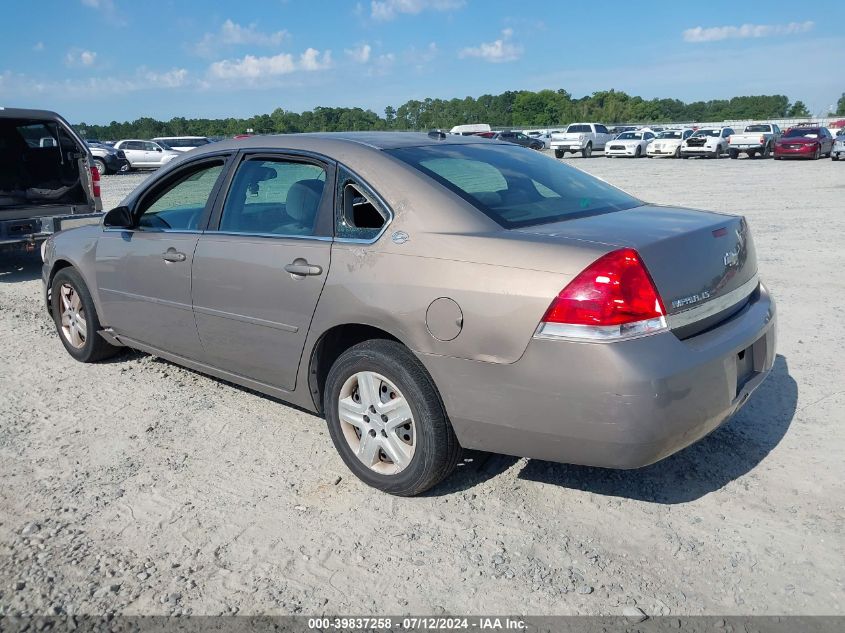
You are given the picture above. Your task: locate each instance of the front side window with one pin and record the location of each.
(180, 206)
(274, 197)
(515, 186)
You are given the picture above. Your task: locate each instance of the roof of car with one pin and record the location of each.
(26, 113)
(329, 141)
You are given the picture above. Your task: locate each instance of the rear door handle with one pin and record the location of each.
(299, 268)
(172, 255)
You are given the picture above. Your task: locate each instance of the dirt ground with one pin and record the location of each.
(138, 487)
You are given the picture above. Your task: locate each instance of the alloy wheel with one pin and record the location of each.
(377, 422)
(74, 324)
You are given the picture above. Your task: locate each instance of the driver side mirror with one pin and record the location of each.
(118, 218)
(158, 149)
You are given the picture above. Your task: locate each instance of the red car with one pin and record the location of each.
(804, 142)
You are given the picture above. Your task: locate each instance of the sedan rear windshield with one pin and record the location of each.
(513, 185)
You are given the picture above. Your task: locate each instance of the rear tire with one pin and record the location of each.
(101, 167)
(76, 318)
(834, 156)
(382, 373)
(733, 153)
(559, 153)
(587, 151)
(677, 153)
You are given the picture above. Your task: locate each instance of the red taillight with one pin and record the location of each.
(730, 140)
(95, 181)
(614, 297)
(762, 140)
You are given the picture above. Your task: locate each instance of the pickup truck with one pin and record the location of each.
(756, 139)
(48, 181)
(581, 137)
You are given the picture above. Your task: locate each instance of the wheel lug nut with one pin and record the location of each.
(383, 433)
(366, 418)
(384, 418)
(372, 433)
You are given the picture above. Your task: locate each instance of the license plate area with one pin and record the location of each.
(744, 367)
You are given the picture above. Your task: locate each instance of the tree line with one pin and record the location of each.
(546, 108)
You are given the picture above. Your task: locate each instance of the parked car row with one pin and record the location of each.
(760, 139)
(128, 154)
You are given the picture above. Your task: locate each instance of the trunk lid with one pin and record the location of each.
(694, 257)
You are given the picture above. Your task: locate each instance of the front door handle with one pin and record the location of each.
(299, 268)
(172, 255)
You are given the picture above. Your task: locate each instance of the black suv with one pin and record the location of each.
(519, 139)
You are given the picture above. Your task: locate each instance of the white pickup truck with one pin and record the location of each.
(759, 138)
(581, 137)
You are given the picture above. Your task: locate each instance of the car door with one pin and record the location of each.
(152, 154)
(259, 269)
(130, 150)
(144, 272)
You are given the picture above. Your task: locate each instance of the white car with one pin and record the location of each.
(838, 150)
(668, 143)
(711, 142)
(181, 143)
(633, 144)
(145, 154)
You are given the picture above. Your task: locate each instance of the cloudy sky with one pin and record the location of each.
(103, 60)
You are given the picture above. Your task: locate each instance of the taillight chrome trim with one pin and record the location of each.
(600, 333)
(713, 306)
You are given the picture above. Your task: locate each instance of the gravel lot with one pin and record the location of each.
(139, 487)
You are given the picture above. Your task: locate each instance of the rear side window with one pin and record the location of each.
(274, 197)
(360, 214)
(579, 128)
(513, 185)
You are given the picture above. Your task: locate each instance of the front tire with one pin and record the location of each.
(76, 318)
(101, 167)
(638, 153)
(386, 419)
(733, 153)
(559, 153)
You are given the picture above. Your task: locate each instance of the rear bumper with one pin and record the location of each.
(27, 232)
(616, 405)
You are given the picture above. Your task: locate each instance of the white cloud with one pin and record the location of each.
(233, 34)
(25, 86)
(501, 50)
(385, 10)
(251, 67)
(360, 54)
(76, 57)
(107, 9)
(39, 46)
(174, 78)
(382, 65)
(717, 33)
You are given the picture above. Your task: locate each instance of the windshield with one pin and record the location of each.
(758, 128)
(671, 134)
(805, 132)
(184, 142)
(629, 135)
(515, 186)
(707, 133)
